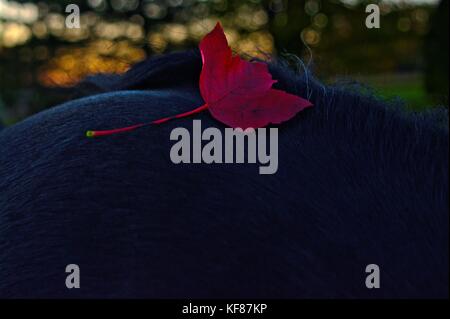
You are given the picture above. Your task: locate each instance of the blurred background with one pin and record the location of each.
(407, 57)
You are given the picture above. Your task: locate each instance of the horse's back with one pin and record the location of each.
(357, 184)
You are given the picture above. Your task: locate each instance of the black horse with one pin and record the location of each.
(359, 182)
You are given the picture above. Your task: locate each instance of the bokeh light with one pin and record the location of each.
(38, 51)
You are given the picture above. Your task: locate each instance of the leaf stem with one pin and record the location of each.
(133, 127)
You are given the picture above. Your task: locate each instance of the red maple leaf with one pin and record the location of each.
(237, 93)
